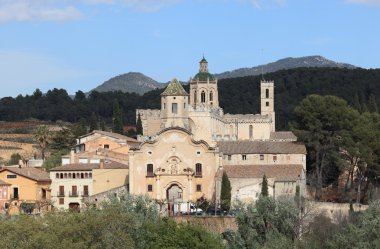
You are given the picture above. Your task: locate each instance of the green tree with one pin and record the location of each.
(15, 158)
(225, 193)
(117, 118)
(139, 127)
(43, 137)
(103, 125)
(372, 104)
(264, 186)
(93, 122)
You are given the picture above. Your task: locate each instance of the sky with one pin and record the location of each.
(79, 44)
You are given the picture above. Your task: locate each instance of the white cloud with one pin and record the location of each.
(67, 10)
(264, 3)
(366, 2)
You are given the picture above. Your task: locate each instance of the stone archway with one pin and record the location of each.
(174, 195)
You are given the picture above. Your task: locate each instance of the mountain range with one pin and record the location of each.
(139, 83)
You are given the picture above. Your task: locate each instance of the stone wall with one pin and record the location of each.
(210, 223)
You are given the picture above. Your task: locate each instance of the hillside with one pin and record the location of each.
(133, 82)
(286, 63)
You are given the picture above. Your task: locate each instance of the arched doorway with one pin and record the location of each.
(174, 195)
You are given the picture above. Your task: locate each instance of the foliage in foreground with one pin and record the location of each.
(131, 222)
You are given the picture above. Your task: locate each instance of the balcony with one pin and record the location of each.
(198, 174)
(149, 174)
(14, 197)
(73, 194)
(60, 194)
(85, 194)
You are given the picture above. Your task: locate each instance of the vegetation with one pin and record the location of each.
(139, 127)
(128, 222)
(237, 95)
(15, 158)
(42, 137)
(225, 193)
(264, 186)
(117, 118)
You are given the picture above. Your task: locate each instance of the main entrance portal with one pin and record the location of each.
(174, 195)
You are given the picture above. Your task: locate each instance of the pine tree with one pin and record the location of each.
(356, 103)
(264, 186)
(372, 105)
(225, 193)
(93, 122)
(139, 127)
(103, 125)
(117, 118)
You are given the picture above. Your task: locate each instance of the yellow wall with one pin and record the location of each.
(106, 179)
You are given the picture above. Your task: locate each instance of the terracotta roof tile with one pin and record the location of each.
(108, 164)
(261, 147)
(288, 172)
(31, 173)
(283, 135)
(111, 134)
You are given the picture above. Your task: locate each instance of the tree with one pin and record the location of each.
(117, 118)
(103, 125)
(42, 137)
(15, 158)
(225, 193)
(264, 186)
(139, 127)
(319, 123)
(372, 104)
(93, 122)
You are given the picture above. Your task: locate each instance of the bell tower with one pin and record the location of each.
(204, 87)
(267, 100)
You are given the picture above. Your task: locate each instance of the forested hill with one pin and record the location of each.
(237, 95)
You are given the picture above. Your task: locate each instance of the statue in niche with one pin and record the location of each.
(174, 167)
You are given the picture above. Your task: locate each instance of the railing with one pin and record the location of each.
(149, 174)
(60, 194)
(14, 197)
(73, 194)
(198, 174)
(85, 194)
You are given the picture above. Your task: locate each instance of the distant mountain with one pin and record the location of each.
(130, 82)
(286, 63)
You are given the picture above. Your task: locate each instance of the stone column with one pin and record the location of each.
(190, 185)
(158, 189)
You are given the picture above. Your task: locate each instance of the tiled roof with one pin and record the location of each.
(31, 173)
(286, 172)
(108, 164)
(3, 183)
(111, 134)
(174, 88)
(261, 147)
(283, 135)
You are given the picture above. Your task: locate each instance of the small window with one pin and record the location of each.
(106, 146)
(274, 158)
(267, 103)
(203, 97)
(150, 188)
(11, 176)
(244, 157)
(184, 105)
(261, 157)
(149, 169)
(229, 157)
(164, 105)
(57, 175)
(199, 188)
(211, 96)
(90, 174)
(61, 201)
(173, 97)
(174, 108)
(198, 152)
(267, 93)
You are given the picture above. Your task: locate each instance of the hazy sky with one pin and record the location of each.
(78, 44)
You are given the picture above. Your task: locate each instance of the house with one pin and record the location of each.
(74, 184)
(29, 189)
(4, 195)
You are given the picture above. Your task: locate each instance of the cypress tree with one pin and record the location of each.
(93, 122)
(117, 118)
(264, 187)
(225, 193)
(103, 125)
(139, 127)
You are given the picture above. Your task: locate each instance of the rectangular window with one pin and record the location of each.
(11, 176)
(274, 158)
(198, 169)
(74, 191)
(267, 103)
(61, 201)
(150, 188)
(61, 191)
(85, 190)
(199, 188)
(106, 146)
(174, 108)
(149, 170)
(229, 157)
(244, 157)
(15, 193)
(261, 157)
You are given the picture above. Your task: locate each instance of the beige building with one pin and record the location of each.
(73, 185)
(190, 141)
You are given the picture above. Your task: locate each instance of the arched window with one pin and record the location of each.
(231, 131)
(90, 174)
(203, 97)
(267, 93)
(250, 132)
(61, 175)
(69, 175)
(65, 175)
(211, 96)
(81, 175)
(195, 96)
(57, 175)
(86, 175)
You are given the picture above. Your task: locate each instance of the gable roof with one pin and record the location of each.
(283, 135)
(109, 164)
(261, 147)
(284, 172)
(29, 172)
(111, 134)
(174, 89)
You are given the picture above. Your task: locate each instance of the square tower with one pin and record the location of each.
(267, 100)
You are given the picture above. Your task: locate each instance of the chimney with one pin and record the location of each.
(101, 165)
